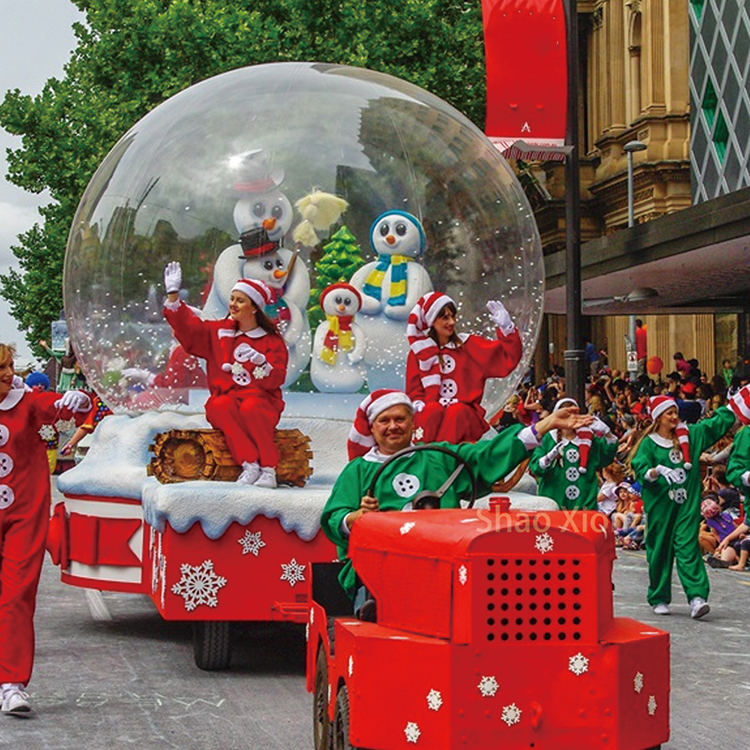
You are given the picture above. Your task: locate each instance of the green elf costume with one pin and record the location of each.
(400, 482)
(671, 492)
(565, 469)
(738, 474)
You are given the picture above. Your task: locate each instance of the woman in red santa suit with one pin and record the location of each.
(24, 517)
(246, 361)
(446, 371)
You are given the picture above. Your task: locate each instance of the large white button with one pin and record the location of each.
(675, 456)
(448, 388)
(4, 434)
(6, 465)
(6, 496)
(571, 455)
(406, 485)
(448, 364)
(571, 474)
(572, 492)
(242, 378)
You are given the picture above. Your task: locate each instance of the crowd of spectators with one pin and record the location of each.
(621, 401)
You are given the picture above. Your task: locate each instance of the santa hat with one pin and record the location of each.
(583, 434)
(740, 405)
(344, 288)
(257, 290)
(657, 405)
(425, 349)
(256, 242)
(360, 435)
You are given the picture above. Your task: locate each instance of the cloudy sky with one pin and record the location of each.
(36, 39)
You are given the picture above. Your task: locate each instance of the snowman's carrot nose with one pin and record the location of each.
(269, 224)
(390, 239)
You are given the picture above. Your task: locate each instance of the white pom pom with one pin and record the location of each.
(688, 467)
(582, 469)
(226, 367)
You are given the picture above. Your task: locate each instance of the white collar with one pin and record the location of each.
(452, 344)
(564, 440)
(375, 456)
(12, 399)
(254, 333)
(662, 442)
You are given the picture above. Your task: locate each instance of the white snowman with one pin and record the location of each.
(263, 215)
(390, 287)
(340, 345)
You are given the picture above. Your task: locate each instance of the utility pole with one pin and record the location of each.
(575, 364)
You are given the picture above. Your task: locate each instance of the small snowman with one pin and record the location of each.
(339, 346)
(390, 287)
(263, 215)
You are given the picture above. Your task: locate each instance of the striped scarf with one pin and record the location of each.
(277, 310)
(374, 282)
(339, 337)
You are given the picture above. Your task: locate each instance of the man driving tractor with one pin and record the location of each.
(383, 426)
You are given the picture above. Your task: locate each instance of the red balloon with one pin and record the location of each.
(654, 365)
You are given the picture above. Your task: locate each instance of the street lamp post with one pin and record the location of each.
(630, 148)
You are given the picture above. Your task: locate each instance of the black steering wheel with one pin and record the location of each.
(429, 499)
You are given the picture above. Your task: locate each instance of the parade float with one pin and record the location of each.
(348, 192)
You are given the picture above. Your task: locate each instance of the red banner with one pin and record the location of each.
(525, 51)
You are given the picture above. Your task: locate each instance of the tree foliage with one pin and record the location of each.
(133, 54)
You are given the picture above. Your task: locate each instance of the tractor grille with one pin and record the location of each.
(534, 600)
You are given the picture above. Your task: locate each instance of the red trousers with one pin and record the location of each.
(248, 425)
(22, 538)
(455, 423)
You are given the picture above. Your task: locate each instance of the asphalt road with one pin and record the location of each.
(110, 673)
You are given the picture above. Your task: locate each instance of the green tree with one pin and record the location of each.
(342, 256)
(133, 54)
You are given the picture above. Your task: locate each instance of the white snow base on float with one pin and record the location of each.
(115, 466)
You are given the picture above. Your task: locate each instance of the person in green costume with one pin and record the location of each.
(671, 491)
(566, 462)
(383, 426)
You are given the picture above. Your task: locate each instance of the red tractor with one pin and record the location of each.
(495, 629)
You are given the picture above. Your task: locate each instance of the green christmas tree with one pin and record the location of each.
(342, 256)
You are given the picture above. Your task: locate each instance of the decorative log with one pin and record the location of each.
(189, 455)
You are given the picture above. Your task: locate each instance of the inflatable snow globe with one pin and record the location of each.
(350, 193)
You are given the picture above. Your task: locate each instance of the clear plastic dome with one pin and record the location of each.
(190, 181)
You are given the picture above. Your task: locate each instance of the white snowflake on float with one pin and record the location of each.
(544, 543)
(351, 665)
(412, 732)
(434, 700)
(638, 682)
(260, 372)
(651, 705)
(198, 585)
(578, 664)
(419, 433)
(463, 575)
(47, 432)
(511, 714)
(251, 542)
(407, 527)
(293, 572)
(65, 425)
(488, 687)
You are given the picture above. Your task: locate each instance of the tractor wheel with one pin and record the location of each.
(341, 722)
(321, 722)
(211, 646)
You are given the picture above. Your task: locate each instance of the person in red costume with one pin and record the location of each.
(446, 371)
(246, 362)
(24, 517)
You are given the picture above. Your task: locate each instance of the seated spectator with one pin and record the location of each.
(733, 550)
(606, 500)
(715, 526)
(629, 511)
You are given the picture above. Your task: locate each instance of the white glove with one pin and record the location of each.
(418, 406)
(138, 375)
(18, 383)
(246, 353)
(172, 277)
(76, 401)
(501, 317)
(671, 475)
(600, 427)
(546, 461)
(746, 478)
